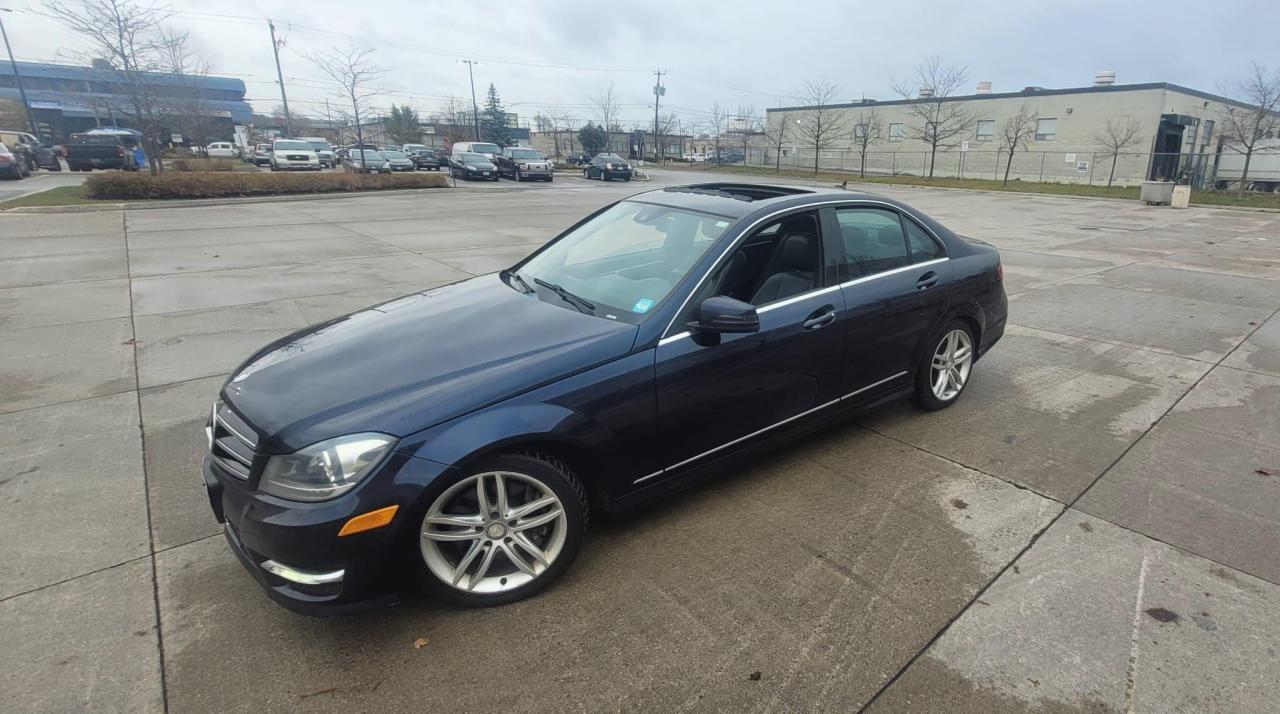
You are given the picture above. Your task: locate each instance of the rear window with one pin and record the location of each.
(94, 139)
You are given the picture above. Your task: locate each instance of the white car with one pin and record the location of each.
(294, 155)
(221, 150)
(695, 158)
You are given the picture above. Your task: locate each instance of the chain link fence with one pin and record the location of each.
(1201, 171)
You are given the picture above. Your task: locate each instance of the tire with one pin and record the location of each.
(929, 395)
(516, 175)
(527, 477)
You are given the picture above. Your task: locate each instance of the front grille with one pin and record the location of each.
(233, 444)
(296, 157)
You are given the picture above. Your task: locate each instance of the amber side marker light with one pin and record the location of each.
(368, 521)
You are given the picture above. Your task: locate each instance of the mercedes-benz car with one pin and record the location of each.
(461, 438)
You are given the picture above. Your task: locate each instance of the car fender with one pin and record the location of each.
(502, 426)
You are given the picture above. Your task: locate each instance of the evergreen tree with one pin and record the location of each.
(593, 138)
(403, 126)
(493, 120)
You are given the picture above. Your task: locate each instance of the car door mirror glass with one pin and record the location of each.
(720, 314)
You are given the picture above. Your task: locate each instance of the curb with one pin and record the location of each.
(183, 203)
(996, 192)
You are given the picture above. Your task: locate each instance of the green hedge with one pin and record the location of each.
(122, 186)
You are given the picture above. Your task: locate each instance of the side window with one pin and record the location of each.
(923, 246)
(873, 240)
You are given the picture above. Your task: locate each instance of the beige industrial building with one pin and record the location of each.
(1179, 134)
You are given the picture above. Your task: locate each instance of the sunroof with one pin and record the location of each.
(739, 191)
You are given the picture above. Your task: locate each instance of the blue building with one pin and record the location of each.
(65, 99)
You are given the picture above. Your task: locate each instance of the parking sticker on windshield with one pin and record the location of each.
(642, 305)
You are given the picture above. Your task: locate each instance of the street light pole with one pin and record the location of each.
(475, 108)
(284, 99)
(17, 78)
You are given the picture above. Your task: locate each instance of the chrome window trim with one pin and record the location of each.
(853, 203)
(758, 432)
(820, 291)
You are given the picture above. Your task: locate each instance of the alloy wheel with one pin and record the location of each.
(952, 360)
(493, 532)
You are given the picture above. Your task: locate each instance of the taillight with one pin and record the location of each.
(1000, 272)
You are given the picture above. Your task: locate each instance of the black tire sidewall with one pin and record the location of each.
(563, 484)
(924, 385)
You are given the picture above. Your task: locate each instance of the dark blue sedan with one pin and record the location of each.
(463, 436)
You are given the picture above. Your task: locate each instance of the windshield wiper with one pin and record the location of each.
(523, 285)
(581, 303)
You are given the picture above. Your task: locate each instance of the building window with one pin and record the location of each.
(986, 129)
(1046, 129)
(859, 131)
(896, 131)
(1208, 134)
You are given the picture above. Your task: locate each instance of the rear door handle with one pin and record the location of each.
(820, 318)
(927, 281)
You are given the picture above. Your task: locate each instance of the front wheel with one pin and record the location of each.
(516, 175)
(944, 371)
(503, 531)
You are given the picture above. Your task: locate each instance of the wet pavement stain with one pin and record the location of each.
(1160, 614)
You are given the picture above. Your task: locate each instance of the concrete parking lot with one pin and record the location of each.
(1095, 526)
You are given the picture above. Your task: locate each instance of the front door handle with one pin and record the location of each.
(927, 281)
(820, 318)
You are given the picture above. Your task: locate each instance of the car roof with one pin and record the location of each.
(735, 200)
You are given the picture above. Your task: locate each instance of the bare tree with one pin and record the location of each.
(353, 70)
(744, 127)
(667, 128)
(718, 126)
(125, 36)
(942, 121)
(1115, 137)
(607, 110)
(867, 130)
(1017, 133)
(188, 110)
(455, 115)
(1246, 126)
(821, 126)
(775, 137)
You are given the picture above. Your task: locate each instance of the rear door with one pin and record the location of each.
(714, 392)
(895, 292)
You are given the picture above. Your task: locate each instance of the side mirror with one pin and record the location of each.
(721, 314)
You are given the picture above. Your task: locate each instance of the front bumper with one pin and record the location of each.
(287, 165)
(528, 172)
(293, 549)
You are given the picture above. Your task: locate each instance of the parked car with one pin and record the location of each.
(520, 163)
(261, 155)
(399, 161)
(293, 155)
(695, 158)
(423, 157)
(473, 166)
(442, 155)
(221, 150)
(328, 159)
(102, 150)
(607, 167)
(475, 147)
(578, 160)
(11, 165)
(365, 161)
(666, 337)
(31, 150)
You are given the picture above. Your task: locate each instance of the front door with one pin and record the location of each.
(895, 294)
(714, 392)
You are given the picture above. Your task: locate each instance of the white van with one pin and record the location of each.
(474, 147)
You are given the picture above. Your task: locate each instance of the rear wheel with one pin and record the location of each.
(503, 531)
(944, 371)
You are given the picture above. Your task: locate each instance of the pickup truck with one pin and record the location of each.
(86, 152)
(521, 163)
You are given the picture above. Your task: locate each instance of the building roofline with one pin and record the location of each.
(1146, 86)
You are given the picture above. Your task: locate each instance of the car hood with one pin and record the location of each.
(416, 361)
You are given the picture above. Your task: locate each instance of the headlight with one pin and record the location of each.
(326, 469)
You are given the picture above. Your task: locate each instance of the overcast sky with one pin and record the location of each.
(555, 54)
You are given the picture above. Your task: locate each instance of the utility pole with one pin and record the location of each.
(658, 91)
(284, 99)
(475, 108)
(17, 78)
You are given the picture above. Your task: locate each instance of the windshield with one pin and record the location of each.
(320, 145)
(486, 148)
(368, 154)
(292, 146)
(610, 157)
(525, 154)
(625, 261)
(414, 147)
(394, 155)
(476, 159)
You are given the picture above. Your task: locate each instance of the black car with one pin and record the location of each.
(462, 436)
(423, 157)
(607, 167)
(473, 166)
(365, 161)
(398, 160)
